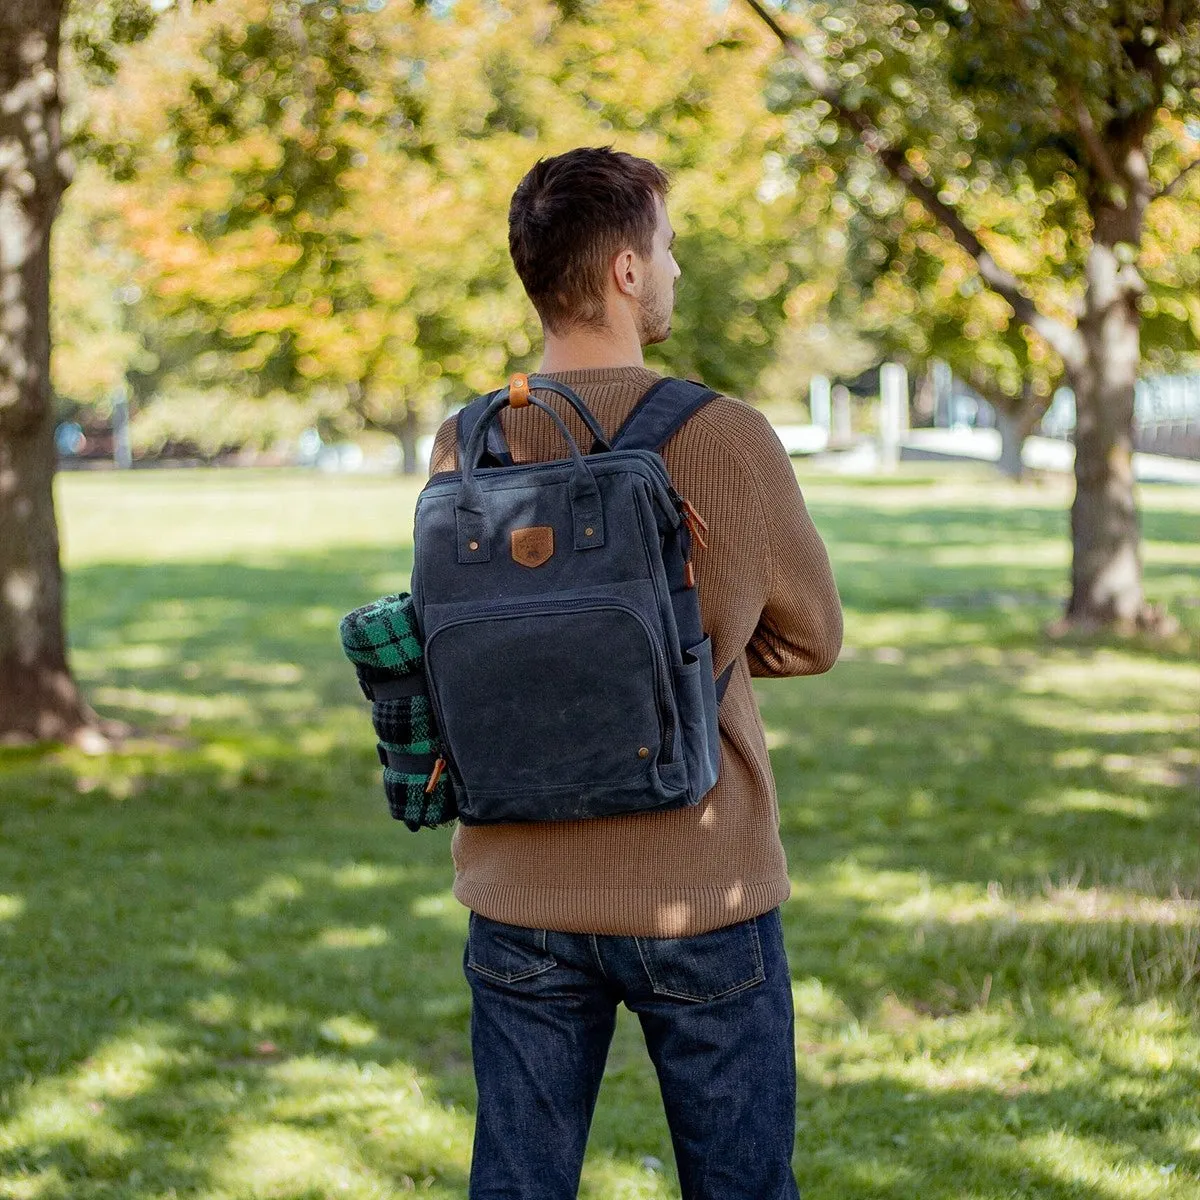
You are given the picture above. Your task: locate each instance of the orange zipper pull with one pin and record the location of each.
(689, 573)
(435, 775)
(696, 524)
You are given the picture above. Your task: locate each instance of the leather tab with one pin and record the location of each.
(589, 522)
(533, 546)
(474, 545)
(518, 391)
(435, 775)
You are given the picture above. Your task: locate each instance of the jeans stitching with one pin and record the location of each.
(637, 941)
(596, 958)
(502, 978)
(758, 977)
(510, 977)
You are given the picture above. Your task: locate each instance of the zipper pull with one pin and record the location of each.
(435, 775)
(696, 524)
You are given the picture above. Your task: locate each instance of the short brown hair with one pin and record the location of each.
(569, 216)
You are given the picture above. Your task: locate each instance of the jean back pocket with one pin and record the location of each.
(705, 966)
(506, 953)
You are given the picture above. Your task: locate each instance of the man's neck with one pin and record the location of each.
(582, 349)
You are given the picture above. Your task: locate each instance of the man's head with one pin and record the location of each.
(588, 231)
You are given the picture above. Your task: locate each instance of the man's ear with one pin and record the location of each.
(625, 272)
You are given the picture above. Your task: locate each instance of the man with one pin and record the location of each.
(675, 914)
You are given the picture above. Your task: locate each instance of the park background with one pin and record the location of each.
(281, 261)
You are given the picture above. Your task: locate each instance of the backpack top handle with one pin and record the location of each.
(522, 397)
(474, 535)
(496, 446)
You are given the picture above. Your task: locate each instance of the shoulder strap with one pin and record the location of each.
(723, 681)
(655, 419)
(497, 453)
(660, 413)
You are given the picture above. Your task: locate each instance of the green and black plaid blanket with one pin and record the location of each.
(381, 641)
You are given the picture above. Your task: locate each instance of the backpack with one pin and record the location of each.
(566, 664)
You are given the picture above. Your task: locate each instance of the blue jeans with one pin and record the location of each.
(716, 1013)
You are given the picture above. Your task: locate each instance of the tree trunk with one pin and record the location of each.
(39, 700)
(1012, 442)
(1015, 425)
(408, 431)
(1106, 570)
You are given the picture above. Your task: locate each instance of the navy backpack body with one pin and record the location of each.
(566, 664)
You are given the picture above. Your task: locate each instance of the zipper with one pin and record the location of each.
(438, 767)
(696, 524)
(577, 604)
(696, 527)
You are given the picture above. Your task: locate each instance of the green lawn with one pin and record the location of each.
(226, 973)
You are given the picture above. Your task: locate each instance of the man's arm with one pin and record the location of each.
(800, 629)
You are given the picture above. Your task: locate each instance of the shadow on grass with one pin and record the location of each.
(202, 966)
(236, 973)
(977, 559)
(889, 1138)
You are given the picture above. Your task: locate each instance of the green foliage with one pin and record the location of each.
(239, 979)
(94, 30)
(316, 196)
(1003, 108)
(92, 343)
(215, 421)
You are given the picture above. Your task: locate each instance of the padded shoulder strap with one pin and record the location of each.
(497, 452)
(660, 413)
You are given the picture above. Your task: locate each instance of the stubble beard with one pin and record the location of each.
(654, 316)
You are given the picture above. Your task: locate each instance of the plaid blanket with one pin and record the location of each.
(381, 640)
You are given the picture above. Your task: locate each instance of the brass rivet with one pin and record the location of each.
(589, 532)
(644, 752)
(472, 545)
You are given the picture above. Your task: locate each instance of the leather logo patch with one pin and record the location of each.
(532, 546)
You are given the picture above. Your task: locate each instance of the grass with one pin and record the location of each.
(226, 974)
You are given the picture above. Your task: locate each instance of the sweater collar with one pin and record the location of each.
(585, 375)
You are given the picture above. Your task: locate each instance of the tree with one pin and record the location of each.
(356, 166)
(327, 212)
(38, 697)
(1073, 109)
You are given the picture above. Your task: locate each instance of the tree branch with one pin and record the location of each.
(1168, 188)
(1061, 337)
(1097, 151)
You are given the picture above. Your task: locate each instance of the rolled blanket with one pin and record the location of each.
(382, 637)
(382, 642)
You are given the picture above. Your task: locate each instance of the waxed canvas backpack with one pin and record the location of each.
(566, 664)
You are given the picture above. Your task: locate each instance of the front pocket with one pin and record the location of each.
(551, 697)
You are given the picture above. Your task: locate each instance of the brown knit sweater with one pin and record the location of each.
(769, 602)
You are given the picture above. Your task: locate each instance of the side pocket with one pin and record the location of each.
(706, 966)
(698, 718)
(506, 953)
